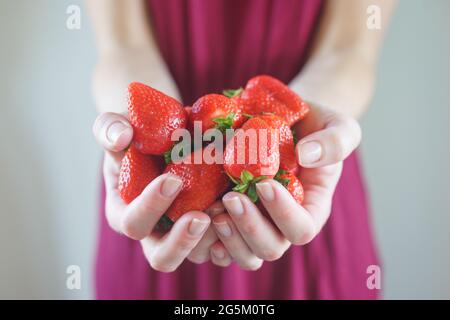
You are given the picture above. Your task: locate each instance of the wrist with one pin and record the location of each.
(342, 82)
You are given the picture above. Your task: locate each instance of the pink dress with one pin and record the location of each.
(216, 44)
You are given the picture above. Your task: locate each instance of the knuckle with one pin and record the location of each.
(222, 263)
(131, 230)
(252, 265)
(157, 262)
(338, 146)
(161, 266)
(111, 221)
(270, 254)
(303, 237)
(198, 258)
(251, 229)
(284, 213)
(185, 245)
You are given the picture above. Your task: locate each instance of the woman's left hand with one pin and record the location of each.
(250, 238)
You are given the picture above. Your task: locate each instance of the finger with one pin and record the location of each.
(294, 222)
(319, 185)
(114, 205)
(112, 131)
(330, 145)
(300, 224)
(219, 255)
(171, 250)
(144, 212)
(201, 252)
(235, 244)
(258, 232)
(216, 208)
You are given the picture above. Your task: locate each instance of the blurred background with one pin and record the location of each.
(49, 164)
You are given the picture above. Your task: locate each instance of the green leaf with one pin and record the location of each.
(281, 180)
(251, 193)
(294, 134)
(280, 173)
(241, 188)
(247, 115)
(246, 176)
(224, 123)
(168, 156)
(258, 179)
(235, 181)
(231, 93)
(284, 182)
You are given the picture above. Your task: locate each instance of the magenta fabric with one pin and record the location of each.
(216, 44)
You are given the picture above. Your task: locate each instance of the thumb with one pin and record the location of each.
(340, 136)
(112, 131)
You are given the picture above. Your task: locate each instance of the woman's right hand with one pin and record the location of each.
(190, 237)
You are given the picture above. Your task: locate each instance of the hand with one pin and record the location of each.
(327, 138)
(189, 236)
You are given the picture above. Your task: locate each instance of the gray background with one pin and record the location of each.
(49, 164)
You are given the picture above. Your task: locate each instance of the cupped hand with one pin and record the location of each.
(327, 138)
(189, 237)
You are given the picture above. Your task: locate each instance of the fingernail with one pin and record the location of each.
(265, 190)
(218, 254)
(223, 228)
(197, 227)
(310, 152)
(234, 205)
(170, 186)
(115, 130)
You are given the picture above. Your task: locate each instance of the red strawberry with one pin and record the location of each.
(292, 184)
(188, 110)
(136, 172)
(216, 111)
(252, 155)
(267, 94)
(288, 160)
(202, 185)
(154, 116)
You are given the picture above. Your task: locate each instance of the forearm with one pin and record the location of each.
(340, 73)
(119, 24)
(341, 83)
(127, 52)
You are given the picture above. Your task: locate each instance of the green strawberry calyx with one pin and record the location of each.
(285, 182)
(224, 123)
(294, 136)
(168, 154)
(231, 93)
(246, 184)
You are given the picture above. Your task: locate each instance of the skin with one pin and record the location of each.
(338, 83)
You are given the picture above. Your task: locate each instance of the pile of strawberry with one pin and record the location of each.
(264, 103)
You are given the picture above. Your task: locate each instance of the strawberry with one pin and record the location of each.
(252, 155)
(136, 172)
(154, 116)
(267, 94)
(202, 185)
(288, 160)
(291, 183)
(216, 111)
(188, 110)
